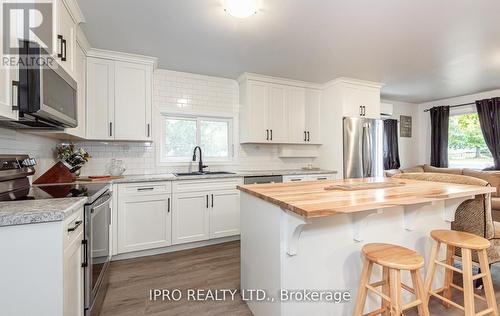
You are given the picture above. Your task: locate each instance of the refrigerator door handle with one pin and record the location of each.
(365, 150)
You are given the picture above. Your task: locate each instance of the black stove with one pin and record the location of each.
(15, 185)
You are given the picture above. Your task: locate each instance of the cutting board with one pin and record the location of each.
(98, 178)
(364, 186)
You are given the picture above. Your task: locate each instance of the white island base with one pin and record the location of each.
(283, 251)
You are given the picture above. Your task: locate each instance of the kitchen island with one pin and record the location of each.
(303, 236)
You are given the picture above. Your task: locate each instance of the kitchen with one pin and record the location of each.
(149, 159)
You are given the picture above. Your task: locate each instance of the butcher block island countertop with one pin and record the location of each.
(312, 200)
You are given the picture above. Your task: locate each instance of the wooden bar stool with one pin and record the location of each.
(468, 243)
(393, 259)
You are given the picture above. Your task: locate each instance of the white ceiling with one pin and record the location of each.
(421, 49)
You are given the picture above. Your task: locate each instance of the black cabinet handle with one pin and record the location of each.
(60, 39)
(305, 136)
(77, 224)
(207, 200)
(64, 50)
(148, 129)
(15, 96)
(168, 205)
(267, 134)
(212, 200)
(271, 134)
(145, 189)
(308, 137)
(85, 262)
(110, 128)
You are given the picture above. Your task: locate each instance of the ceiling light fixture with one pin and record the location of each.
(241, 8)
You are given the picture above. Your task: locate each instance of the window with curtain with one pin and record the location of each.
(466, 145)
(180, 134)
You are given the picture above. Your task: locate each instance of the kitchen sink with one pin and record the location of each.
(196, 173)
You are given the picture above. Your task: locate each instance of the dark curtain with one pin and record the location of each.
(440, 120)
(489, 117)
(391, 150)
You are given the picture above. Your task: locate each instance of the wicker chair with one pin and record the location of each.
(472, 216)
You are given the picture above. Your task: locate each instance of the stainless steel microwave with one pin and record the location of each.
(47, 96)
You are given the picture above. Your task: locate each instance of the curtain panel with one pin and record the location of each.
(391, 147)
(440, 121)
(489, 118)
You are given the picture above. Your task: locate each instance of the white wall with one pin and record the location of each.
(425, 120)
(408, 146)
(186, 93)
(41, 148)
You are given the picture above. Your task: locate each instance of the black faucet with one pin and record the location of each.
(200, 163)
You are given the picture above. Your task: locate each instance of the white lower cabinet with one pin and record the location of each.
(190, 219)
(225, 213)
(205, 209)
(73, 276)
(160, 214)
(144, 216)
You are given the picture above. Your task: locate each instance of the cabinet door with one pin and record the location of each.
(100, 98)
(370, 99)
(225, 213)
(66, 28)
(258, 102)
(73, 278)
(132, 101)
(144, 222)
(80, 76)
(8, 91)
(296, 113)
(190, 217)
(276, 114)
(312, 114)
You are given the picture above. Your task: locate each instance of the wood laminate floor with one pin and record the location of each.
(212, 267)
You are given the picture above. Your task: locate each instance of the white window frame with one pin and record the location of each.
(198, 118)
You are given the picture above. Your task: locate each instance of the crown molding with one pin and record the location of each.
(269, 79)
(358, 82)
(74, 11)
(126, 57)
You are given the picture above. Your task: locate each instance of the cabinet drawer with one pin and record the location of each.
(294, 178)
(145, 188)
(205, 185)
(320, 177)
(73, 228)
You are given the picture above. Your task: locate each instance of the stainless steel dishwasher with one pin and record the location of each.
(263, 179)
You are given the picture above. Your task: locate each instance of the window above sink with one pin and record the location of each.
(180, 134)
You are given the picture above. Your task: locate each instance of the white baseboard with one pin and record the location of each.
(157, 251)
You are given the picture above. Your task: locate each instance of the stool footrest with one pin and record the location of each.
(485, 312)
(412, 304)
(376, 312)
(478, 276)
(447, 266)
(446, 300)
(453, 285)
(382, 295)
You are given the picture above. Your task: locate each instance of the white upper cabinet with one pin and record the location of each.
(8, 93)
(65, 37)
(119, 98)
(313, 116)
(100, 98)
(80, 77)
(132, 101)
(277, 111)
(360, 100)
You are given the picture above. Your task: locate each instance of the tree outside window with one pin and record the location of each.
(466, 146)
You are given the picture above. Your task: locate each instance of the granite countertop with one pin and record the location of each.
(236, 174)
(38, 211)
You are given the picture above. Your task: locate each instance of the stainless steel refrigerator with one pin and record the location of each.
(363, 147)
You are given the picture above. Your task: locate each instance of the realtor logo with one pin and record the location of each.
(26, 21)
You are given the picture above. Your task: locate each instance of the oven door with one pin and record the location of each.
(97, 222)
